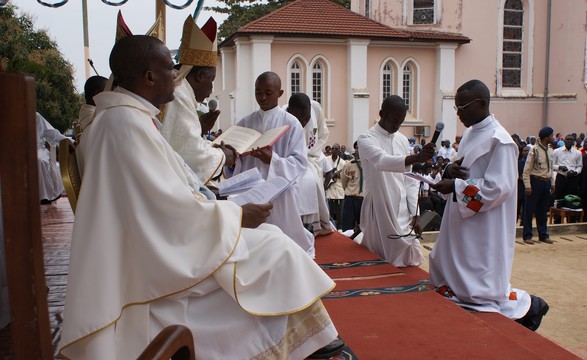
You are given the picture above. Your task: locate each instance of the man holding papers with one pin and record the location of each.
(286, 157)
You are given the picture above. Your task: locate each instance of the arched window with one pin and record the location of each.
(513, 23)
(368, 8)
(408, 87)
(318, 82)
(387, 80)
(296, 78)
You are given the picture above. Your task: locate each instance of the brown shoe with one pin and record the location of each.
(546, 240)
(529, 241)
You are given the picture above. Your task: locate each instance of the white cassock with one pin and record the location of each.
(474, 252)
(148, 251)
(50, 183)
(289, 160)
(86, 114)
(312, 203)
(391, 198)
(182, 129)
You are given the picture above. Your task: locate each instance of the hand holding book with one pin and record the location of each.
(245, 140)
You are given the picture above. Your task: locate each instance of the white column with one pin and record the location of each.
(243, 91)
(445, 90)
(226, 87)
(358, 96)
(261, 55)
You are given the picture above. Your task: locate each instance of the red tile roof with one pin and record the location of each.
(325, 19)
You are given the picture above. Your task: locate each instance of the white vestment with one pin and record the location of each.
(182, 129)
(289, 160)
(50, 183)
(86, 114)
(474, 252)
(149, 251)
(312, 203)
(391, 198)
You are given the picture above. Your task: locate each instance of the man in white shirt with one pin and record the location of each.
(150, 248)
(333, 187)
(312, 201)
(567, 161)
(447, 151)
(287, 157)
(390, 218)
(471, 262)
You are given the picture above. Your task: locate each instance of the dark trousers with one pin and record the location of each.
(564, 186)
(351, 212)
(335, 208)
(537, 204)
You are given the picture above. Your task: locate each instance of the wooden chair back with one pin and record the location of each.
(72, 180)
(21, 214)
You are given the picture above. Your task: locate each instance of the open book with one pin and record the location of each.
(244, 139)
(264, 192)
(240, 183)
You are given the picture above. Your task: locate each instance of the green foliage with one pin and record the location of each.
(26, 50)
(242, 12)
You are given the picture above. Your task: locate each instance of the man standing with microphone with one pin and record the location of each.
(390, 218)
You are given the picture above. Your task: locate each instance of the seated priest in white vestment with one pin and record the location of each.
(150, 248)
(390, 218)
(471, 262)
(286, 157)
(182, 126)
(312, 203)
(50, 183)
(93, 86)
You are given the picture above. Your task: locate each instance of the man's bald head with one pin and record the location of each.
(269, 77)
(268, 90)
(476, 88)
(299, 105)
(392, 114)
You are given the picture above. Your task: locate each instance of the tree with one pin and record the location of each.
(26, 50)
(242, 12)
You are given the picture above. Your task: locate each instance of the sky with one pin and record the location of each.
(65, 26)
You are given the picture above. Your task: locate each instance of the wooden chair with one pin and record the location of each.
(72, 180)
(30, 336)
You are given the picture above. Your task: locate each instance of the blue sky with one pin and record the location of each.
(65, 26)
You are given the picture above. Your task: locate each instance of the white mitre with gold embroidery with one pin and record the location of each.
(199, 46)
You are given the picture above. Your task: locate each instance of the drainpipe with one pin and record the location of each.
(547, 66)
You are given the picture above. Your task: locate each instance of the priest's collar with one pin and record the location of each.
(382, 130)
(483, 123)
(152, 108)
(270, 112)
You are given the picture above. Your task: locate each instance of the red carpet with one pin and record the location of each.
(384, 312)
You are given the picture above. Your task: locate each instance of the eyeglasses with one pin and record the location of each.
(462, 107)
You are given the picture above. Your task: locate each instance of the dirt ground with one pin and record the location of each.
(557, 273)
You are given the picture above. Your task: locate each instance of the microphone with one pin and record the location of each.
(213, 105)
(437, 130)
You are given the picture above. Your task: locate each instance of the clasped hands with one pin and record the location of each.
(453, 171)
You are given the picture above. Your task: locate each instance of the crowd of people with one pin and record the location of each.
(153, 243)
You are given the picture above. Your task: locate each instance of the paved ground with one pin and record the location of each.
(556, 273)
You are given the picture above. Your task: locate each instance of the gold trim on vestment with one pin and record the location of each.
(155, 299)
(301, 326)
(198, 57)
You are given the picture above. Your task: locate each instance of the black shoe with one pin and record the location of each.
(546, 240)
(533, 318)
(334, 348)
